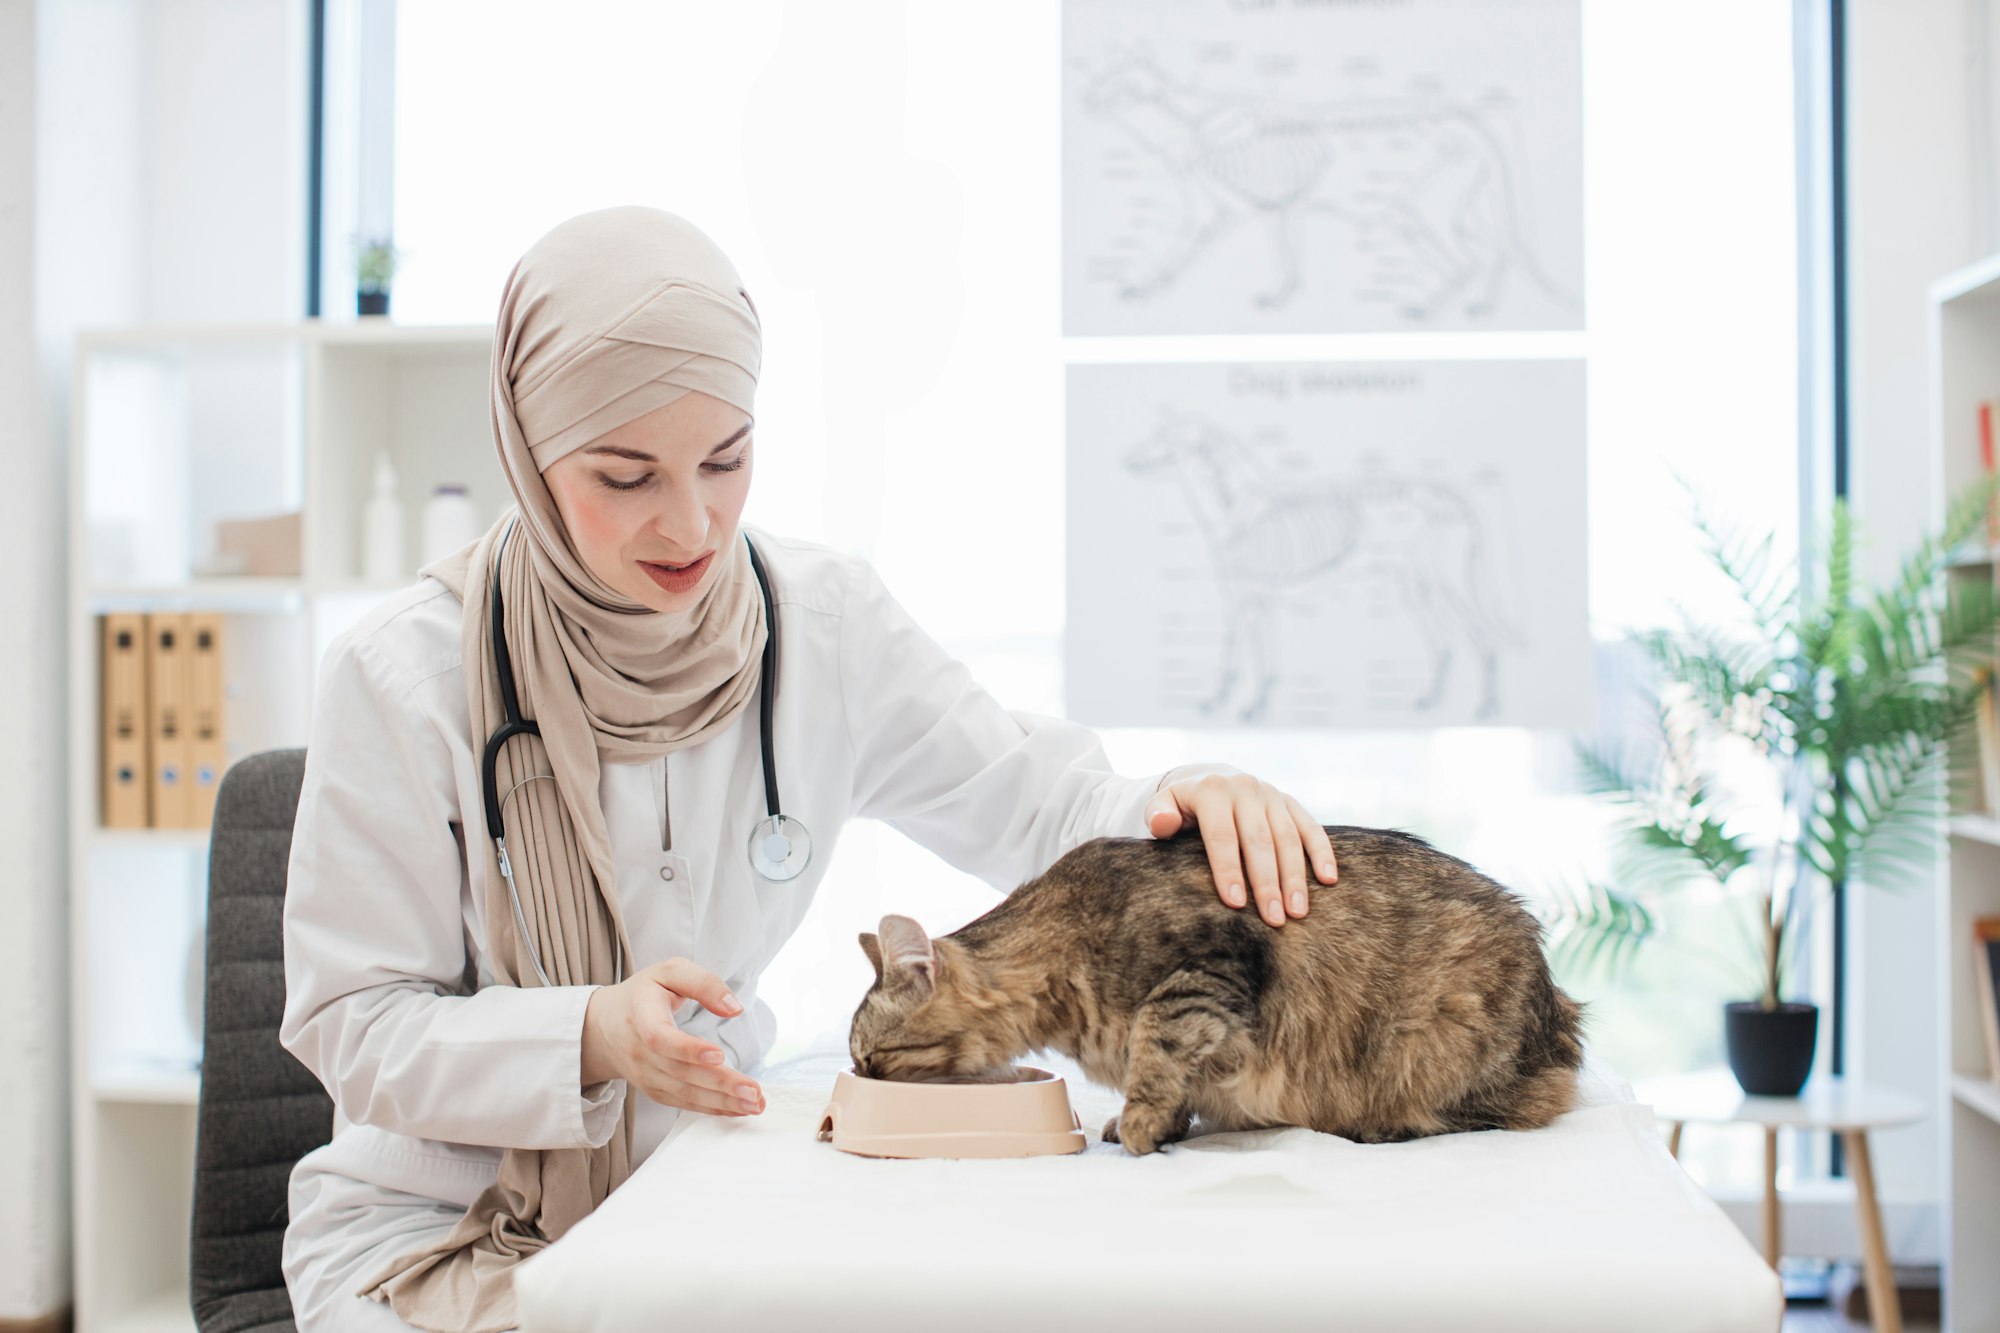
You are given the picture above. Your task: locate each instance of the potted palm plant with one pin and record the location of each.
(1805, 744)
(374, 268)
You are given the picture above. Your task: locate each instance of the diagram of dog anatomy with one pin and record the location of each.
(1333, 548)
(1226, 175)
(1271, 538)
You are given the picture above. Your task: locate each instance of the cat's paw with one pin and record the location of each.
(1142, 1130)
(1109, 1134)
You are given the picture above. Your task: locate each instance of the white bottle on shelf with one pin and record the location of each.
(450, 521)
(382, 558)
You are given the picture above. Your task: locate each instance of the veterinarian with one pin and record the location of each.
(504, 1042)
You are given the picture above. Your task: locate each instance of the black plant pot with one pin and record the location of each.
(1771, 1053)
(371, 303)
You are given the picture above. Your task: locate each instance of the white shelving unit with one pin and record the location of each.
(1965, 360)
(173, 429)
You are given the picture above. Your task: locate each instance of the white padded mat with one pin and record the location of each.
(752, 1224)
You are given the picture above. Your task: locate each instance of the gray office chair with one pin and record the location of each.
(261, 1110)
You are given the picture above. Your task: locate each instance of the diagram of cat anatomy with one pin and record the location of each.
(1422, 181)
(1271, 538)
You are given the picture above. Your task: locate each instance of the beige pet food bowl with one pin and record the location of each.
(874, 1117)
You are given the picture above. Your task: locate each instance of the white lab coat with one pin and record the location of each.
(389, 995)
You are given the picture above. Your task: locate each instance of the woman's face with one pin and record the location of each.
(662, 491)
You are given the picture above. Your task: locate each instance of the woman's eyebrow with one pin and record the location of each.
(622, 452)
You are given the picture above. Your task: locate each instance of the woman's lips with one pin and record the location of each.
(678, 580)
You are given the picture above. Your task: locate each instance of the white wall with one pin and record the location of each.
(33, 1252)
(1912, 121)
(152, 168)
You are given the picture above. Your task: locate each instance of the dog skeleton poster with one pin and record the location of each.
(1321, 166)
(1327, 544)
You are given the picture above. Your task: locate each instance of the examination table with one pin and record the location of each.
(752, 1224)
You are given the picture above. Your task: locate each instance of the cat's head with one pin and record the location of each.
(919, 1022)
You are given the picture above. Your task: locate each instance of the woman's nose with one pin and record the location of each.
(683, 522)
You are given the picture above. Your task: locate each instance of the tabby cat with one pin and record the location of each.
(1412, 998)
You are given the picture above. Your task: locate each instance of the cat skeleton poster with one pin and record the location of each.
(1327, 544)
(1321, 166)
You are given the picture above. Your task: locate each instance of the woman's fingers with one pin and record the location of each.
(681, 1055)
(695, 1061)
(672, 1092)
(699, 984)
(726, 1087)
(723, 1082)
(722, 1099)
(675, 1056)
(645, 1046)
(1237, 835)
(1291, 854)
(1212, 813)
(1255, 834)
(1260, 856)
(1318, 845)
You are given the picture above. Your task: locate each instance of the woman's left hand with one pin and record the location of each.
(1253, 830)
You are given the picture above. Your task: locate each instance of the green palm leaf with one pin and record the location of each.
(1855, 698)
(1596, 929)
(1764, 583)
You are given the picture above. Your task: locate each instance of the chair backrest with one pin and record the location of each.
(261, 1110)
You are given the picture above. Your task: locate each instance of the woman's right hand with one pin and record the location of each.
(629, 1032)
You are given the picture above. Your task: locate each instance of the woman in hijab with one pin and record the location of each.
(497, 1071)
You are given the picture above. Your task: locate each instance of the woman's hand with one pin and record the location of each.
(1250, 828)
(629, 1032)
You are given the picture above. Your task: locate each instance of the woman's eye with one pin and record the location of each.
(611, 483)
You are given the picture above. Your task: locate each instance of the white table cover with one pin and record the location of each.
(752, 1224)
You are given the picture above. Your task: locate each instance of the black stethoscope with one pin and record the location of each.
(780, 846)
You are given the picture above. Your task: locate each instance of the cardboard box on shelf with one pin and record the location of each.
(255, 547)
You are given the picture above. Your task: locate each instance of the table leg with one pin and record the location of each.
(1885, 1313)
(1771, 1241)
(1674, 1138)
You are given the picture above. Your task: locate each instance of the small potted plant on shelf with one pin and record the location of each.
(1806, 745)
(374, 268)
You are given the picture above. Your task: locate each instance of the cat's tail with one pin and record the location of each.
(1545, 1085)
(1557, 1036)
(1541, 1085)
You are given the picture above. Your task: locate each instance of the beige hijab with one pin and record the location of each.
(606, 318)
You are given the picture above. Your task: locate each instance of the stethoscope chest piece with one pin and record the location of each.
(780, 848)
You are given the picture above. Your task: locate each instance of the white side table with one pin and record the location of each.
(1840, 1105)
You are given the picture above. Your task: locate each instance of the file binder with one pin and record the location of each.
(123, 766)
(207, 756)
(166, 673)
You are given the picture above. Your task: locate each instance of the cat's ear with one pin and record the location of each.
(873, 948)
(907, 956)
